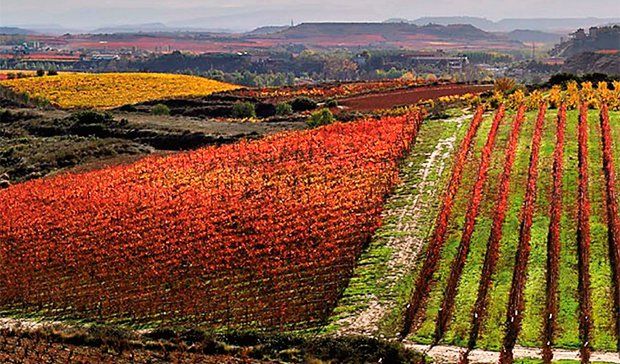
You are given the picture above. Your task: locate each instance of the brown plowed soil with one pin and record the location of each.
(387, 100)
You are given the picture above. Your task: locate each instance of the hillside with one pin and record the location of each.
(510, 24)
(589, 62)
(15, 31)
(386, 30)
(601, 38)
(528, 36)
(388, 35)
(267, 30)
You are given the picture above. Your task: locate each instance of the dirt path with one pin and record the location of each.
(407, 245)
(451, 354)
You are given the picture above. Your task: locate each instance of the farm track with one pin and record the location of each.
(516, 303)
(452, 354)
(424, 281)
(405, 247)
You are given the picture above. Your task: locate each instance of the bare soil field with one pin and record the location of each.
(391, 99)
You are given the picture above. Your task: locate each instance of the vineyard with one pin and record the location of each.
(336, 90)
(528, 256)
(227, 237)
(491, 227)
(108, 90)
(519, 248)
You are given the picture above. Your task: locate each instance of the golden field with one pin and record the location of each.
(109, 90)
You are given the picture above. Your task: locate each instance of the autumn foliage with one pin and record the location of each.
(583, 237)
(336, 90)
(516, 301)
(108, 90)
(262, 233)
(470, 222)
(613, 224)
(492, 249)
(553, 239)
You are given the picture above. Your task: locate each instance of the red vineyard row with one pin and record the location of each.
(473, 209)
(516, 300)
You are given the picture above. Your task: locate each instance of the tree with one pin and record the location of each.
(242, 110)
(160, 109)
(303, 104)
(283, 109)
(319, 118)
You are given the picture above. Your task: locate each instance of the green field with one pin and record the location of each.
(492, 333)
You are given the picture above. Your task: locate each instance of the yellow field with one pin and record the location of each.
(109, 90)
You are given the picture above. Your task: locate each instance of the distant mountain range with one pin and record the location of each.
(537, 36)
(560, 25)
(155, 28)
(390, 31)
(16, 31)
(525, 30)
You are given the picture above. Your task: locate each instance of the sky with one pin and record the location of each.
(235, 14)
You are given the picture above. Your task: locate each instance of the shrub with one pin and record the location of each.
(563, 79)
(319, 118)
(303, 104)
(91, 117)
(160, 109)
(284, 108)
(128, 108)
(40, 73)
(331, 103)
(52, 72)
(505, 85)
(243, 110)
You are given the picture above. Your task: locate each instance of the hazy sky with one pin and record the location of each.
(90, 14)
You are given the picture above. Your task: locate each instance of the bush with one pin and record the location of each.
(319, 118)
(563, 79)
(283, 109)
(242, 110)
(128, 108)
(52, 72)
(91, 117)
(303, 104)
(40, 73)
(331, 103)
(505, 85)
(160, 109)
